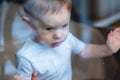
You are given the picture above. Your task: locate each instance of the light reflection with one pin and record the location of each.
(5, 7)
(10, 68)
(19, 30)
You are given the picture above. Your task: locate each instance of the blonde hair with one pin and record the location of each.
(41, 7)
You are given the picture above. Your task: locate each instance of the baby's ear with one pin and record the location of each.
(27, 21)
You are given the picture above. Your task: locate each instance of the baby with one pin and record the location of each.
(48, 49)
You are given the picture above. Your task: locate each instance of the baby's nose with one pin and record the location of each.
(57, 35)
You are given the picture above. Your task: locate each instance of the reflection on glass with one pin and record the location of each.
(3, 18)
(9, 68)
(0, 72)
(19, 30)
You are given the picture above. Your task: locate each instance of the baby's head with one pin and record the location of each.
(49, 19)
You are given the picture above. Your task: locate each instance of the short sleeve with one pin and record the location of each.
(76, 44)
(24, 67)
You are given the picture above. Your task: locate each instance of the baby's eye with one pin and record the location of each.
(65, 25)
(49, 29)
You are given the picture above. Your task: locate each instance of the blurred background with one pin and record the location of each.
(91, 20)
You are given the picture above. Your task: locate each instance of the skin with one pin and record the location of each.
(111, 47)
(55, 31)
(34, 77)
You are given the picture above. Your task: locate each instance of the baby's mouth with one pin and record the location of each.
(56, 44)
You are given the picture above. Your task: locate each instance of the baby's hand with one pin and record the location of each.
(34, 77)
(16, 77)
(113, 40)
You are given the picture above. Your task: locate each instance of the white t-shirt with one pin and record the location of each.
(49, 63)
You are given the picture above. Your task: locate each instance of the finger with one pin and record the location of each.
(34, 76)
(117, 29)
(16, 77)
(116, 33)
(110, 34)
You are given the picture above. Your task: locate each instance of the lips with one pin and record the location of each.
(56, 44)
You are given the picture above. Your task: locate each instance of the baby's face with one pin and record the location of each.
(55, 29)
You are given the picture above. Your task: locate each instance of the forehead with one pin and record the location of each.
(54, 19)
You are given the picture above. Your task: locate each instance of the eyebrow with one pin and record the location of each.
(47, 26)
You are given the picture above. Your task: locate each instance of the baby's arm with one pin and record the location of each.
(24, 67)
(112, 46)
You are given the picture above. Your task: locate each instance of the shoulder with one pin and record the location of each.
(70, 35)
(28, 48)
(76, 44)
(71, 38)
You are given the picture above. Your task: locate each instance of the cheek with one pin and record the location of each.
(66, 31)
(42, 35)
(46, 38)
